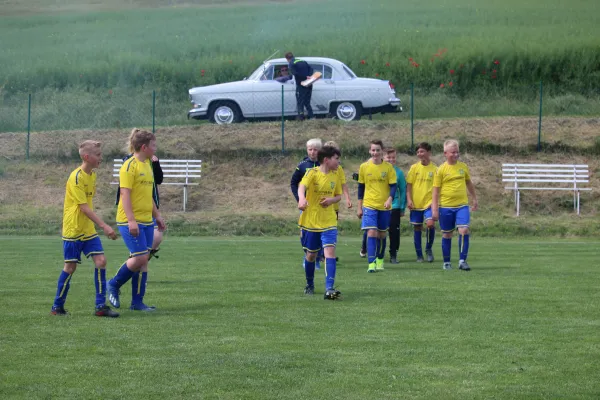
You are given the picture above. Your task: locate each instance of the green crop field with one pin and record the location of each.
(101, 61)
(232, 323)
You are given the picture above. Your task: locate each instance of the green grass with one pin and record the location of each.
(71, 60)
(232, 323)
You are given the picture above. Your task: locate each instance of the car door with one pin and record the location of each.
(323, 89)
(266, 95)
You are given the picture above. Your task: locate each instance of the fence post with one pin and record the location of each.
(28, 126)
(412, 116)
(539, 143)
(282, 121)
(153, 108)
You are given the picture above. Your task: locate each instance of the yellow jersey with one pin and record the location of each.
(316, 218)
(421, 178)
(342, 179)
(377, 180)
(136, 176)
(452, 181)
(81, 188)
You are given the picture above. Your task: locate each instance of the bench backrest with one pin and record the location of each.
(573, 175)
(175, 172)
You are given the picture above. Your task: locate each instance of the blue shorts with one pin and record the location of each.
(141, 244)
(314, 241)
(376, 219)
(417, 217)
(72, 249)
(455, 217)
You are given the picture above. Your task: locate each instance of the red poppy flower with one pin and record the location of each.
(362, 61)
(377, 74)
(494, 71)
(450, 83)
(387, 64)
(483, 72)
(493, 76)
(410, 59)
(442, 85)
(416, 65)
(451, 72)
(496, 62)
(110, 91)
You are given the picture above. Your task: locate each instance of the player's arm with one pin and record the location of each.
(301, 195)
(157, 171)
(128, 209)
(435, 203)
(392, 181)
(160, 222)
(472, 195)
(296, 178)
(347, 195)
(108, 231)
(409, 202)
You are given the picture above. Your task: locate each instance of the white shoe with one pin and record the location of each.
(447, 266)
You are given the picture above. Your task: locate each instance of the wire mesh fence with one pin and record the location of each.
(53, 110)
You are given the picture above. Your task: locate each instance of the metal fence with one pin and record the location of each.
(49, 110)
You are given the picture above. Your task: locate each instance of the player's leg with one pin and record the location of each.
(369, 224)
(430, 235)
(139, 279)
(416, 220)
(312, 245)
(383, 225)
(72, 256)
(299, 103)
(138, 251)
(156, 241)
(328, 241)
(93, 248)
(307, 100)
(394, 235)
(447, 226)
(363, 247)
(463, 219)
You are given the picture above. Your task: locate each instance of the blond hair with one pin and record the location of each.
(316, 142)
(331, 143)
(138, 138)
(88, 146)
(450, 143)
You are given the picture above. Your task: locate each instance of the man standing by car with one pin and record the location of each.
(301, 71)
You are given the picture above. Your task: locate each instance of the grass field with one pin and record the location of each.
(95, 64)
(232, 323)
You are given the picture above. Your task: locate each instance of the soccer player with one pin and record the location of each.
(157, 172)
(135, 215)
(376, 191)
(310, 161)
(419, 186)
(450, 203)
(79, 234)
(398, 206)
(318, 191)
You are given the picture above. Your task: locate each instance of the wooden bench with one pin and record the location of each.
(175, 172)
(546, 177)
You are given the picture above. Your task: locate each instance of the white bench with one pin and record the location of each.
(548, 176)
(175, 172)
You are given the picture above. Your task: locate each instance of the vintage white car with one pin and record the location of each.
(339, 93)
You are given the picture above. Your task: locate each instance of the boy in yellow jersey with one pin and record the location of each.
(419, 188)
(342, 177)
(135, 214)
(319, 189)
(79, 234)
(450, 203)
(376, 191)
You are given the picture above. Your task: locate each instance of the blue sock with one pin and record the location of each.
(371, 248)
(64, 283)
(463, 245)
(100, 283)
(382, 245)
(430, 238)
(135, 288)
(309, 271)
(329, 273)
(364, 242)
(418, 246)
(446, 248)
(122, 276)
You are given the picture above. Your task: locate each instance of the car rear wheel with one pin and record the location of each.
(347, 111)
(225, 112)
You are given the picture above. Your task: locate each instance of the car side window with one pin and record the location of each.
(317, 67)
(327, 72)
(267, 74)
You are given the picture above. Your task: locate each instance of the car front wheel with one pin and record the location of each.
(347, 111)
(225, 112)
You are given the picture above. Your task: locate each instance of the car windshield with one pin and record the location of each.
(257, 74)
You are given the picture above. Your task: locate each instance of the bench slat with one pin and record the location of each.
(552, 188)
(544, 176)
(571, 166)
(560, 171)
(548, 180)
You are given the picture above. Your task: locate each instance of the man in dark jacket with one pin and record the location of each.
(301, 72)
